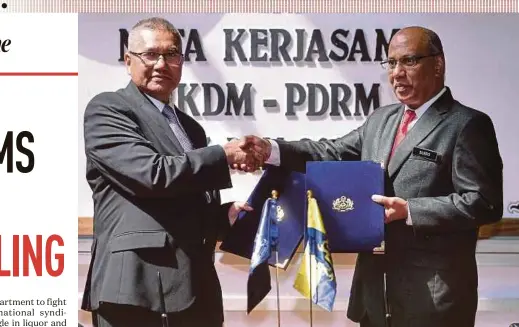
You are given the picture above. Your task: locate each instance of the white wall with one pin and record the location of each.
(482, 72)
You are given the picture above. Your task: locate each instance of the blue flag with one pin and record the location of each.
(258, 284)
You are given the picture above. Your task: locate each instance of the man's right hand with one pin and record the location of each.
(247, 154)
(260, 146)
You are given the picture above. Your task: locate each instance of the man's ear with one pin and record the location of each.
(127, 62)
(439, 67)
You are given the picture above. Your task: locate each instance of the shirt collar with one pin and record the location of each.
(157, 103)
(421, 110)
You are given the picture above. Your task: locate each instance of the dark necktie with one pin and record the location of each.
(181, 135)
(409, 115)
(179, 132)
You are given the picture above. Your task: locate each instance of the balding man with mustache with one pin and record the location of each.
(444, 181)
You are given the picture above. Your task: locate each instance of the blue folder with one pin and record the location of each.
(292, 205)
(343, 190)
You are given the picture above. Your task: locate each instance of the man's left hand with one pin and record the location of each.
(395, 208)
(236, 208)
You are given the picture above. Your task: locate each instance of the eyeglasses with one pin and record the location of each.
(408, 61)
(150, 58)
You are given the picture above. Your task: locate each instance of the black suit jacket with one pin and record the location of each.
(156, 208)
(449, 199)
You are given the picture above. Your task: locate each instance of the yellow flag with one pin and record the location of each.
(315, 279)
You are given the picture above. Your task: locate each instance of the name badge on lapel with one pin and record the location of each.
(426, 154)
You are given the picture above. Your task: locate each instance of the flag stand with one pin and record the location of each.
(277, 288)
(309, 196)
(275, 244)
(310, 300)
(386, 303)
(163, 314)
(381, 250)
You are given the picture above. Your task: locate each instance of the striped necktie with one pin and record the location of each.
(179, 132)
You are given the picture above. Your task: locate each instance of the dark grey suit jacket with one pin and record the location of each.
(155, 207)
(449, 199)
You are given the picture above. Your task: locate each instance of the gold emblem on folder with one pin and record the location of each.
(280, 214)
(343, 204)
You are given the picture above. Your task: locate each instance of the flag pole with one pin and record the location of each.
(163, 314)
(386, 303)
(275, 197)
(309, 195)
(381, 250)
(277, 288)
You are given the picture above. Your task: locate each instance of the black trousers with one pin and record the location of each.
(120, 315)
(426, 297)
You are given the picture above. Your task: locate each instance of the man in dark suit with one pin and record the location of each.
(444, 180)
(155, 188)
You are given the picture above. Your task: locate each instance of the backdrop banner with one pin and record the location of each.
(296, 76)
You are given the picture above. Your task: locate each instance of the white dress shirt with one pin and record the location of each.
(159, 104)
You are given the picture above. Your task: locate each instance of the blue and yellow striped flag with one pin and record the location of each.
(316, 278)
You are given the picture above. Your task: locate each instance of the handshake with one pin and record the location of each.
(248, 153)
